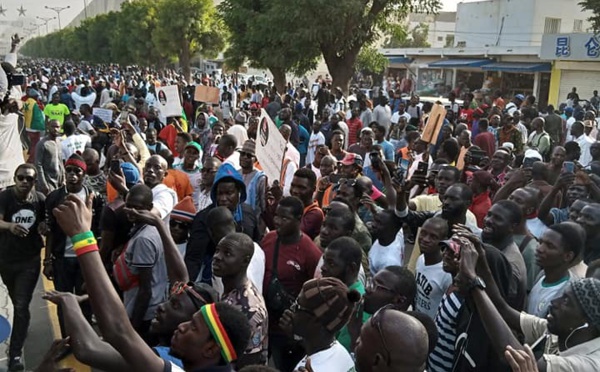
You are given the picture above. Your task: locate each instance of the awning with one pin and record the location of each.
(400, 60)
(518, 67)
(455, 63)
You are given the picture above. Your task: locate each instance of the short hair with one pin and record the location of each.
(307, 174)
(294, 204)
(144, 191)
(395, 220)
(572, 147)
(465, 191)
(451, 168)
(451, 149)
(406, 282)
(593, 266)
(151, 130)
(515, 212)
(185, 136)
(483, 123)
(349, 250)
(346, 215)
(236, 326)
(228, 140)
(69, 127)
(439, 221)
(338, 131)
(573, 236)
(412, 136)
(26, 166)
(219, 216)
(430, 327)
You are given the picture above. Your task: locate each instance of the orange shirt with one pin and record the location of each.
(179, 182)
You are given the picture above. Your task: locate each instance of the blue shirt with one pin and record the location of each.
(304, 137)
(388, 150)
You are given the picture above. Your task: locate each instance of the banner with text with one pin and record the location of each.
(270, 147)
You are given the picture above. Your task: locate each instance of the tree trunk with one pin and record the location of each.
(184, 61)
(341, 67)
(279, 79)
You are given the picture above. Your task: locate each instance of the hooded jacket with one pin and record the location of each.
(200, 247)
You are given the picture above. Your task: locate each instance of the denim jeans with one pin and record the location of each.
(20, 279)
(68, 278)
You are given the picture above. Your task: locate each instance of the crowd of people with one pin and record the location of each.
(375, 250)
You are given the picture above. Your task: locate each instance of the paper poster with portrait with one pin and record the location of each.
(434, 124)
(169, 102)
(270, 147)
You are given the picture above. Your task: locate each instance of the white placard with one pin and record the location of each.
(105, 114)
(270, 147)
(168, 103)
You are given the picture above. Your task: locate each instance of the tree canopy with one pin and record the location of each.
(416, 38)
(594, 7)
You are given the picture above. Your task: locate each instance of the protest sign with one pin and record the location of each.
(105, 114)
(270, 147)
(169, 103)
(207, 94)
(434, 124)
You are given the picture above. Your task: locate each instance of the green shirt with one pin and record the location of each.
(343, 335)
(57, 112)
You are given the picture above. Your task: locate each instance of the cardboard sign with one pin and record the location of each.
(434, 124)
(270, 147)
(207, 94)
(169, 103)
(105, 114)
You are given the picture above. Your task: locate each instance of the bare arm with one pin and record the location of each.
(562, 182)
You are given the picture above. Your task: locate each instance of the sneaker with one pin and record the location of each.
(15, 364)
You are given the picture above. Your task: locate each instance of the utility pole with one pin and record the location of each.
(85, 8)
(45, 20)
(58, 9)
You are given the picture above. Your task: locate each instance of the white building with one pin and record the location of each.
(441, 27)
(96, 7)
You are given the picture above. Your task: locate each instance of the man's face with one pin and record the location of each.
(331, 229)
(444, 179)
(337, 142)
(381, 292)
(464, 138)
(229, 260)
(450, 261)
(550, 253)
(227, 195)
(151, 137)
(524, 199)
(171, 313)
(558, 156)
(246, 160)
(154, 172)
(302, 189)
(589, 219)
(499, 160)
(367, 139)
(495, 121)
(333, 265)
(453, 204)
(55, 98)
(381, 223)
(54, 128)
(285, 222)
(25, 180)
(516, 117)
(430, 237)
(497, 224)
(576, 191)
(180, 230)
(179, 144)
(135, 201)
(74, 175)
(349, 171)
(368, 346)
(565, 314)
(190, 156)
(595, 150)
(217, 131)
(575, 209)
(191, 338)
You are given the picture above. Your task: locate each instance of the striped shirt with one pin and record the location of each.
(441, 358)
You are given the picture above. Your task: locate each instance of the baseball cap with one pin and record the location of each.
(520, 97)
(352, 159)
(194, 145)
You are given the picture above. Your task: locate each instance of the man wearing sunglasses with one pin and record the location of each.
(21, 219)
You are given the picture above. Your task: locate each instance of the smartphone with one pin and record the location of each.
(402, 171)
(374, 156)
(422, 168)
(115, 166)
(569, 167)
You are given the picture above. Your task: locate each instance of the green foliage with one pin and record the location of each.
(594, 7)
(416, 39)
(369, 60)
(144, 32)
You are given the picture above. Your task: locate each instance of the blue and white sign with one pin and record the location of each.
(571, 47)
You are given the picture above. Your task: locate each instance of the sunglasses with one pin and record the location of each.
(376, 321)
(75, 170)
(25, 178)
(196, 298)
(246, 154)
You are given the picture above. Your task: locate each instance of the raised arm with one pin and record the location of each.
(562, 182)
(74, 217)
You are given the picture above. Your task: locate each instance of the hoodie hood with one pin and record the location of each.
(227, 172)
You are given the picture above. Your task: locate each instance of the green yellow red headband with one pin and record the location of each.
(211, 317)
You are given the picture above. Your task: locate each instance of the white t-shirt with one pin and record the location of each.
(163, 199)
(542, 294)
(334, 359)
(80, 100)
(313, 142)
(381, 256)
(569, 123)
(432, 284)
(255, 271)
(73, 144)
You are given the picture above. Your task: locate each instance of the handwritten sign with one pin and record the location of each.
(434, 124)
(105, 114)
(207, 94)
(169, 103)
(270, 147)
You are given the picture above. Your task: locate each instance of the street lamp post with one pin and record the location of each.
(45, 21)
(85, 8)
(58, 9)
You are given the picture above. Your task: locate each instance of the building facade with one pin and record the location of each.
(94, 8)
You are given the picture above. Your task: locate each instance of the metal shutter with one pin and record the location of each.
(585, 82)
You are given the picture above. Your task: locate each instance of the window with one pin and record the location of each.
(552, 26)
(449, 41)
(440, 38)
(578, 25)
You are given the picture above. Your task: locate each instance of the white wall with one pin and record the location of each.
(513, 22)
(96, 7)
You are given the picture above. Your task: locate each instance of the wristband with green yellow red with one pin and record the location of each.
(82, 236)
(84, 243)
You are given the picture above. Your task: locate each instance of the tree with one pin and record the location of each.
(594, 7)
(371, 61)
(185, 27)
(258, 33)
(417, 38)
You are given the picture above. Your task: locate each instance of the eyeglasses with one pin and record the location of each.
(180, 224)
(246, 154)
(372, 285)
(75, 170)
(25, 178)
(195, 297)
(376, 321)
(348, 181)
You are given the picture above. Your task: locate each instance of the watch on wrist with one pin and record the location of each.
(476, 282)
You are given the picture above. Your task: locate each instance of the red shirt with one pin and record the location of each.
(354, 127)
(480, 206)
(295, 265)
(312, 219)
(487, 142)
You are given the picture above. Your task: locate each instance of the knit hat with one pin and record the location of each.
(131, 173)
(184, 210)
(77, 161)
(249, 147)
(330, 300)
(587, 292)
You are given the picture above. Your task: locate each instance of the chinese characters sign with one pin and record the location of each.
(573, 47)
